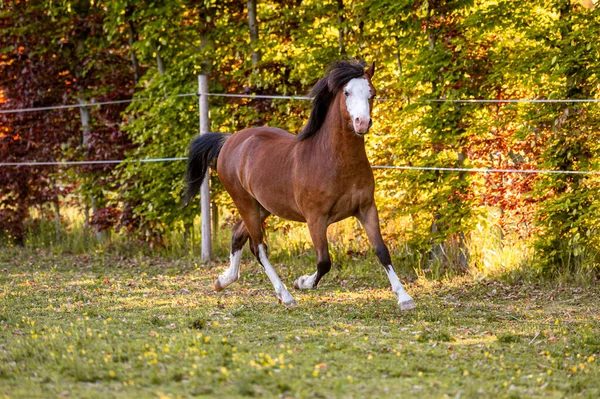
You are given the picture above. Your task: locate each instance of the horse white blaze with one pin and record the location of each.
(404, 300)
(232, 274)
(358, 92)
(280, 289)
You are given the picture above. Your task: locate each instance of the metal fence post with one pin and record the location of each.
(206, 249)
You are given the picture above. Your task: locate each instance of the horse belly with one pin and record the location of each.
(278, 199)
(272, 185)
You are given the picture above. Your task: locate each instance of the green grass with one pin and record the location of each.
(102, 325)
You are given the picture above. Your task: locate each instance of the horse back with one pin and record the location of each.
(260, 162)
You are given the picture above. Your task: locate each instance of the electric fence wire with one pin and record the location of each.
(302, 98)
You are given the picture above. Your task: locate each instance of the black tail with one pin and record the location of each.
(203, 150)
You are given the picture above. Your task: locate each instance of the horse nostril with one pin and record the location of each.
(370, 122)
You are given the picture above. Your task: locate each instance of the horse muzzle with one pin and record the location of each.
(362, 125)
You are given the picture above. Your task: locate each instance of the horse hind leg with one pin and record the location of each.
(254, 215)
(318, 234)
(239, 236)
(284, 296)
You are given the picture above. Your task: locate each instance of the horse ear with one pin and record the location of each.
(371, 71)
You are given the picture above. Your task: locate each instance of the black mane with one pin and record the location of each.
(323, 93)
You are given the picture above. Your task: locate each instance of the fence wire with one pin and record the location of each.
(406, 167)
(302, 98)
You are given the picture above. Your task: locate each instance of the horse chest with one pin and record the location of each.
(348, 203)
(333, 196)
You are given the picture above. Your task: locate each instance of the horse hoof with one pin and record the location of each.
(300, 283)
(290, 304)
(407, 305)
(218, 287)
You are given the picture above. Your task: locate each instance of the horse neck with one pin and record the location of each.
(338, 140)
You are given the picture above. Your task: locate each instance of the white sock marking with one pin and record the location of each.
(306, 282)
(280, 289)
(232, 274)
(397, 286)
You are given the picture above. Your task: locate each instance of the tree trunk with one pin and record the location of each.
(86, 117)
(133, 37)
(463, 250)
(215, 221)
(83, 8)
(188, 235)
(253, 25)
(398, 60)
(160, 65)
(207, 17)
(56, 204)
(437, 248)
(342, 29)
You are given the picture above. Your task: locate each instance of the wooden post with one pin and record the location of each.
(206, 249)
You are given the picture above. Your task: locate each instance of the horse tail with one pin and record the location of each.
(204, 149)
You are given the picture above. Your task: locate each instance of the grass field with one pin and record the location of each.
(104, 326)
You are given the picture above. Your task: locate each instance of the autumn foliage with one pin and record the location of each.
(427, 52)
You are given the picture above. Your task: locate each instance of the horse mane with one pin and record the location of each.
(323, 92)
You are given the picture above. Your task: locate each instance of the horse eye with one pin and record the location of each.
(346, 93)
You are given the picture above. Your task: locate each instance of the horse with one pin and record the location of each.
(319, 176)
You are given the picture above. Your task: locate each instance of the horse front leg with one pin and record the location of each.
(370, 221)
(318, 234)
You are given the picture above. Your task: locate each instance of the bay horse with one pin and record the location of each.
(319, 177)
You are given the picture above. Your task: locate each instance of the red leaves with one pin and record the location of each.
(105, 218)
(45, 69)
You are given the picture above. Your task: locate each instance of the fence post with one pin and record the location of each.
(206, 249)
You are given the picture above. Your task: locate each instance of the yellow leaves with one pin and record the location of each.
(319, 368)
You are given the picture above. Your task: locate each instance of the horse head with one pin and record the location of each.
(346, 90)
(357, 102)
